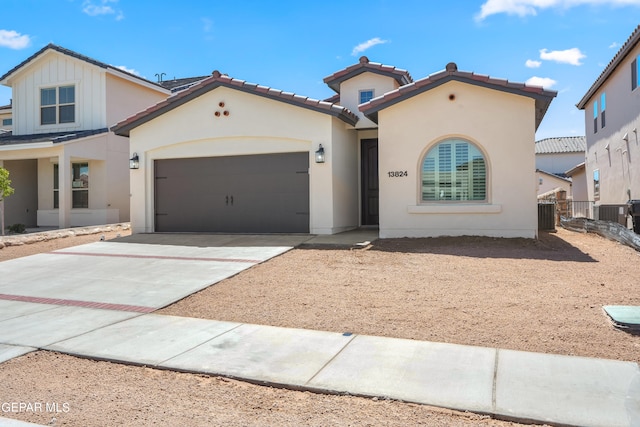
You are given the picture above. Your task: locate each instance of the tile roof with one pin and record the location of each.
(55, 137)
(217, 80)
(566, 144)
(542, 97)
(554, 175)
(335, 99)
(6, 107)
(76, 55)
(176, 85)
(626, 48)
(333, 81)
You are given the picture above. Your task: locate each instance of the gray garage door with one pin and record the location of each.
(237, 194)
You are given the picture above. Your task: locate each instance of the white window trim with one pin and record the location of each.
(77, 124)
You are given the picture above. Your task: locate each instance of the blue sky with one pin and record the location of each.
(292, 45)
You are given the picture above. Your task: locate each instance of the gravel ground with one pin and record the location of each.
(544, 296)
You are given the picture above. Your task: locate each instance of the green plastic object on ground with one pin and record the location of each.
(624, 316)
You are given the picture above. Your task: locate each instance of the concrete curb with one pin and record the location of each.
(29, 238)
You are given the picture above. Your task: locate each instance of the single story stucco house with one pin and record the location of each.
(449, 154)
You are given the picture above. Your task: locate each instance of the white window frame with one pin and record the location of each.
(460, 188)
(363, 91)
(57, 125)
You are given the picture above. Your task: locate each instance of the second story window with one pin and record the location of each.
(366, 95)
(57, 105)
(7, 122)
(595, 117)
(603, 106)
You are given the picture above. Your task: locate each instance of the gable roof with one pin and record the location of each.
(76, 55)
(219, 80)
(542, 97)
(626, 48)
(566, 144)
(401, 76)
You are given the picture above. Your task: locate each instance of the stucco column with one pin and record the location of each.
(64, 190)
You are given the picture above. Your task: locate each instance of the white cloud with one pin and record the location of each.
(544, 82)
(532, 64)
(366, 45)
(128, 70)
(207, 25)
(614, 45)
(101, 7)
(571, 56)
(531, 7)
(14, 40)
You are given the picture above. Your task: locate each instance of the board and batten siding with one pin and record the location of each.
(53, 70)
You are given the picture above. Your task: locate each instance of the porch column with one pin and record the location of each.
(64, 190)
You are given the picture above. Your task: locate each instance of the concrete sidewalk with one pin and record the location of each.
(515, 385)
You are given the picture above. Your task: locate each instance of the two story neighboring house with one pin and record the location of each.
(449, 154)
(5, 118)
(612, 119)
(558, 155)
(66, 167)
(554, 158)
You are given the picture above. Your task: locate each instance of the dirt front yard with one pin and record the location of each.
(543, 296)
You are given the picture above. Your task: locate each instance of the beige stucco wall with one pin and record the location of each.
(22, 205)
(344, 166)
(579, 191)
(616, 159)
(254, 125)
(126, 97)
(546, 182)
(107, 156)
(558, 162)
(501, 125)
(350, 93)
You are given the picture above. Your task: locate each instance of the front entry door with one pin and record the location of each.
(369, 178)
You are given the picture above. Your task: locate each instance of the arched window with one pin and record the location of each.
(454, 170)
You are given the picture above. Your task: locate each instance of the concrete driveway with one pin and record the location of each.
(54, 296)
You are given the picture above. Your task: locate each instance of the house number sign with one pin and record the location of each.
(397, 174)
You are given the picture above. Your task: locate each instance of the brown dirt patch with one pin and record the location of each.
(520, 294)
(542, 296)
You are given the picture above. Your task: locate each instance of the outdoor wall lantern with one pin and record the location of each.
(134, 162)
(320, 154)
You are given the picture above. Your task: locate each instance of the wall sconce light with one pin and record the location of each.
(320, 154)
(134, 162)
